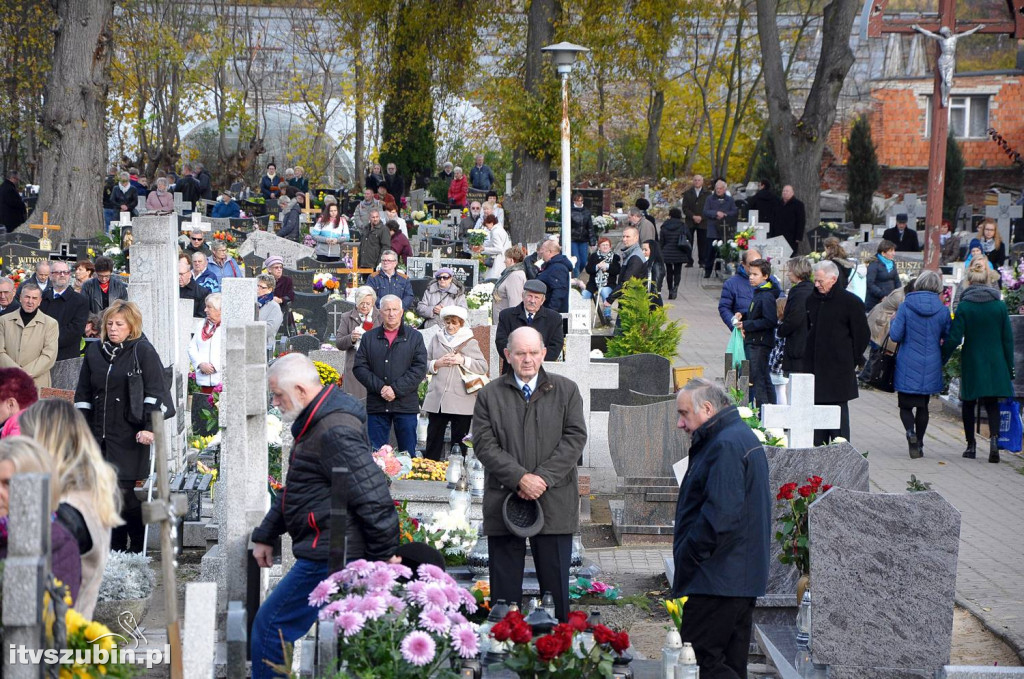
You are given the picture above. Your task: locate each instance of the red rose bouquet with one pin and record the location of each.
(792, 534)
(562, 652)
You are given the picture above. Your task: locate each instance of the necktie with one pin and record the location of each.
(526, 392)
(529, 321)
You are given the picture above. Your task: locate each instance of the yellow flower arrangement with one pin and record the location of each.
(675, 609)
(328, 375)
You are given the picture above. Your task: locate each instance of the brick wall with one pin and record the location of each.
(907, 180)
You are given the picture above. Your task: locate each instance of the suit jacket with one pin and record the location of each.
(908, 243)
(32, 347)
(693, 205)
(789, 221)
(71, 311)
(547, 322)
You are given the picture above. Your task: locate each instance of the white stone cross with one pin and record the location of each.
(195, 223)
(801, 417)
(913, 208)
(180, 206)
(579, 312)
(126, 220)
(1003, 212)
(760, 230)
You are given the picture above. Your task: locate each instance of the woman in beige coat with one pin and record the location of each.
(88, 485)
(452, 352)
(351, 327)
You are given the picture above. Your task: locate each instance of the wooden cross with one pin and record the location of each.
(44, 240)
(1003, 211)
(165, 510)
(354, 269)
(195, 223)
(309, 209)
(1012, 23)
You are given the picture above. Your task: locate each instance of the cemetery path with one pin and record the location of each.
(990, 578)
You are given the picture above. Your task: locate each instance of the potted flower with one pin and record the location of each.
(387, 628)
(792, 534)
(127, 586)
(562, 652)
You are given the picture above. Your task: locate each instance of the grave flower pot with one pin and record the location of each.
(115, 614)
(803, 583)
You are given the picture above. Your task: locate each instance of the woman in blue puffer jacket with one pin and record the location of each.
(920, 326)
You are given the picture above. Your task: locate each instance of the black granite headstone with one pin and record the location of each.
(643, 373)
(639, 399)
(302, 280)
(17, 256)
(303, 344)
(253, 265)
(335, 309)
(314, 315)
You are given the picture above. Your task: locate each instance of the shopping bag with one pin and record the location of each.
(883, 371)
(736, 348)
(1011, 429)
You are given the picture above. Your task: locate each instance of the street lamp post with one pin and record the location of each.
(563, 55)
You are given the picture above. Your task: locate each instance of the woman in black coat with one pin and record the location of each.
(103, 398)
(793, 324)
(675, 256)
(883, 277)
(655, 268)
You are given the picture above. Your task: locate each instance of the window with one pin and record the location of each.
(968, 116)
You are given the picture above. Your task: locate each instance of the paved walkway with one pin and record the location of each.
(990, 575)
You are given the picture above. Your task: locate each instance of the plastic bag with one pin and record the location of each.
(1011, 429)
(735, 348)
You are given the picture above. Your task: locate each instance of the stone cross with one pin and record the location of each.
(27, 569)
(180, 206)
(237, 634)
(46, 227)
(196, 223)
(579, 313)
(200, 629)
(913, 208)
(64, 254)
(1003, 212)
(165, 510)
(801, 417)
(125, 220)
(760, 230)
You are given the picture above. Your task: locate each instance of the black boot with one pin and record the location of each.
(993, 450)
(672, 293)
(913, 445)
(971, 450)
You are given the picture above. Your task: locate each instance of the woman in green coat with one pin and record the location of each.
(986, 361)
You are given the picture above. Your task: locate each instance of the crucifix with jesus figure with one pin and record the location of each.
(946, 31)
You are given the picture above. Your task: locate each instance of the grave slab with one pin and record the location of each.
(646, 373)
(64, 374)
(266, 244)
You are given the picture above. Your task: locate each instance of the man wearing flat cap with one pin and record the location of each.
(529, 433)
(904, 238)
(531, 312)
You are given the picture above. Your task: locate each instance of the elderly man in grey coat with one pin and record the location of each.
(529, 433)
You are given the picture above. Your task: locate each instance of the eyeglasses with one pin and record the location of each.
(61, 273)
(389, 260)
(444, 278)
(196, 240)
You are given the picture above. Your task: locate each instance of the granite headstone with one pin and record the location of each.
(64, 374)
(303, 344)
(646, 373)
(314, 313)
(266, 244)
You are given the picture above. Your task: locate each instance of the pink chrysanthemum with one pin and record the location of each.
(372, 607)
(350, 622)
(396, 604)
(456, 618)
(360, 567)
(418, 648)
(430, 572)
(400, 571)
(382, 578)
(434, 620)
(464, 640)
(321, 594)
(331, 610)
(433, 595)
(468, 600)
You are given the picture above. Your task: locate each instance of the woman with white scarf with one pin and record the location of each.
(206, 350)
(452, 352)
(351, 327)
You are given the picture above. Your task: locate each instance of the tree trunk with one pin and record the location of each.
(360, 145)
(72, 169)
(652, 153)
(524, 207)
(602, 140)
(799, 143)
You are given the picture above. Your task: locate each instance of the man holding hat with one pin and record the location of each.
(226, 207)
(904, 238)
(529, 433)
(531, 312)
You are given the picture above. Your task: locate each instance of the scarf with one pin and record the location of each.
(518, 266)
(450, 342)
(263, 299)
(208, 330)
(601, 277)
(110, 350)
(105, 287)
(886, 262)
(987, 246)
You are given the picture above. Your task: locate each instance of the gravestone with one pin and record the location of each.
(909, 263)
(777, 251)
(883, 581)
(840, 465)
(913, 208)
(266, 244)
(1017, 329)
(64, 374)
(314, 312)
(759, 229)
(18, 256)
(335, 359)
(579, 313)
(200, 635)
(30, 240)
(419, 286)
(334, 309)
(466, 270)
(801, 416)
(26, 570)
(644, 442)
(482, 335)
(303, 344)
(253, 264)
(639, 399)
(646, 373)
(1004, 212)
(597, 201)
(978, 672)
(302, 280)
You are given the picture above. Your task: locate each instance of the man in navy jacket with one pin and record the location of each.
(722, 530)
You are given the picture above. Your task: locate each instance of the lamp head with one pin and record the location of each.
(563, 55)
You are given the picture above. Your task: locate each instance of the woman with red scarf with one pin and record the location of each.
(206, 350)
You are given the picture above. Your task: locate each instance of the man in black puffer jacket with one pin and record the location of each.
(329, 428)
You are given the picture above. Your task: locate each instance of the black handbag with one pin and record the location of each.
(136, 411)
(883, 371)
(684, 243)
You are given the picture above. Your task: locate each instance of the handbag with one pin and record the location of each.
(472, 381)
(684, 243)
(883, 371)
(1011, 429)
(136, 412)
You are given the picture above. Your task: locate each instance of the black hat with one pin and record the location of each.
(901, 218)
(415, 553)
(643, 203)
(523, 518)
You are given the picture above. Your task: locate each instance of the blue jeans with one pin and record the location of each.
(285, 612)
(580, 251)
(109, 215)
(604, 292)
(378, 427)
